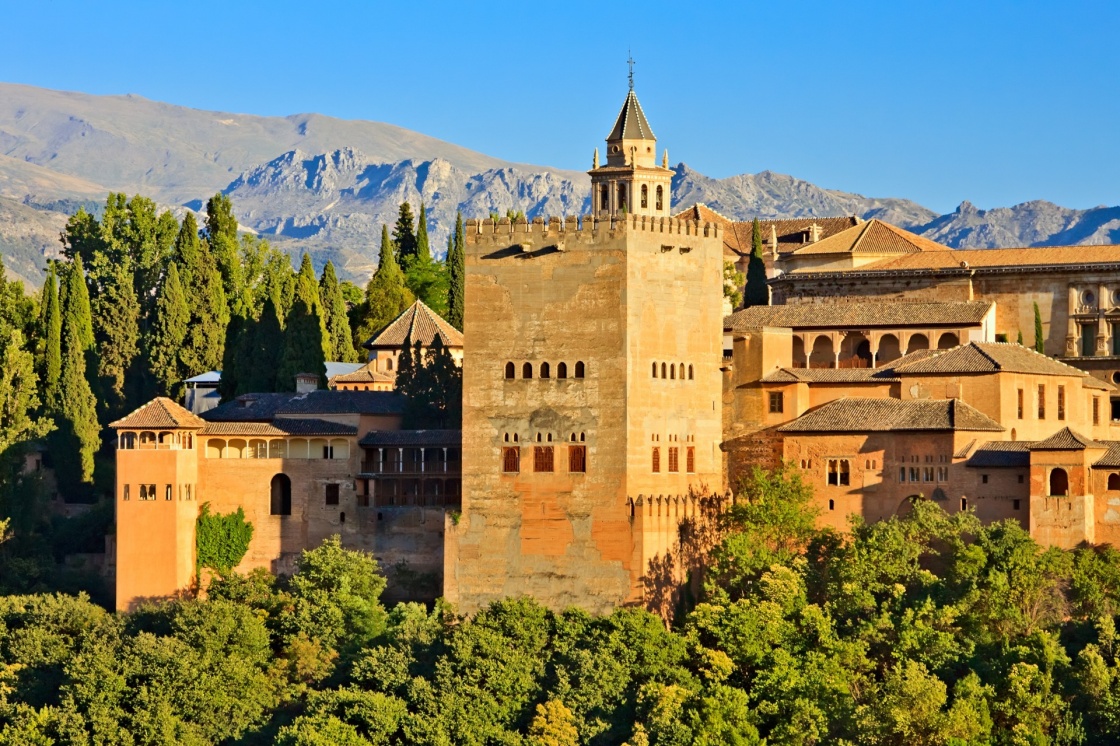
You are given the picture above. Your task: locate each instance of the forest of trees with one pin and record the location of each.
(927, 629)
(140, 301)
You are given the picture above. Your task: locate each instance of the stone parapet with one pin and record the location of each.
(587, 227)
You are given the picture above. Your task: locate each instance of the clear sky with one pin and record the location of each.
(996, 102)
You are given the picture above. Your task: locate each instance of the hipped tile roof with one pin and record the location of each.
(446, 438)
(1066, 440)
(855, 415)
(160, 413)
(830, 375)
(343, 402)
(280, 427)
(416, 323)
(1111, 458)
(364, 374)
(989, 357)
(866, 313)
(631, 123)
(1001, 454)
(873, 237)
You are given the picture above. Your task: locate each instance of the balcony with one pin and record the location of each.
(410, 468)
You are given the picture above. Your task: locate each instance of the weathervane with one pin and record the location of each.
(630, 62)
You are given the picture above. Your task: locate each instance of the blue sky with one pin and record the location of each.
(994, 102)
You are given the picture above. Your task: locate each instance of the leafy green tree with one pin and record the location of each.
(204, 346)
(221, 540)
(553, 725)
(733, 281)
(386, 294)
(1039, 336)
(117, 314)
(340, 336)
(423, 275)
(757, 293)
(457, 271)
(172, 324)
(305, 337)
(404, 236)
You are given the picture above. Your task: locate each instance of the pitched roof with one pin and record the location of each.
(340, 369)
(364, 374)
(855, 415)
(1066, 440)
(966, 260)
(325, 401)
(987, 357)
(210, 376)
(416, 323)
(791, 234)
(872, 237)
(702, 213)
(631, 123)
(449, 438)
(248, 407)
(280, 427)
(830, 375)
(1001, 454)
(160, 413)
(863, 313)
(1092, 382)
(1111, 459)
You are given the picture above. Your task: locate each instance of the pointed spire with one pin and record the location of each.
(595, 160)
(631, 123)
(665, 159)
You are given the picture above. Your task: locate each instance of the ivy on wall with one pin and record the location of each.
(221, 540)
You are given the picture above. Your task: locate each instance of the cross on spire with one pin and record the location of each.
(630, 62)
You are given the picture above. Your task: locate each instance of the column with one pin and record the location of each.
(1071, 325)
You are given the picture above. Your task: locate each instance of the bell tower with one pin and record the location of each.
(631, 182)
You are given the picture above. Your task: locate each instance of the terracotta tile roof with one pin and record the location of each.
(279, 428)
(989, 357)
(852, 415)
(1001, 454)
(1111, 458)
(702, 213)
(446, 438)
(416, 323)
(343, 402)
(830, 375)
(160, 413)
(867, 313)
(1092, 382)
(972, 259)
(364, 374)
(910, 357)
(631, 123)
(1066, 440)
(962, 452)
(791, 234)
(873, 237)
(248, 407)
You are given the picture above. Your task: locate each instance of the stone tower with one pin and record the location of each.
(591, 395)
(631, 182)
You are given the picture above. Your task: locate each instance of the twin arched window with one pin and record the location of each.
(645, 196)
(659, 201)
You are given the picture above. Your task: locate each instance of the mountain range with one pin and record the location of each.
(313, 183)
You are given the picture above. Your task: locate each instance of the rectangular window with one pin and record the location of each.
(1020, 393)
(542, 458)
(188, 492)
(577, 459)
(839, 471)
(690, 460)
(656, 460)
(776, 402)
(915, 474)
(511, 460)
(927, 474)
(984, 478)
(167, 492)
(942, 474)
(332, 494)
(902, 473)
(1015, 504)
(126, 494)
(1061, 402)
(1096, 411)
(1042, 401)
(674, 460)
(328, 451)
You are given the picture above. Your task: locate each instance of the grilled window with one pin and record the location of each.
(1042, 401)
(1020, 404)
(776, 402)
(690, 460)
(1061, 402)
(577, 459)
(656, 460)
(674, 459)
(542, 458)
(511, 460)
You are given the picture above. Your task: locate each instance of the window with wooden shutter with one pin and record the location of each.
(577, 459)
(542, 459)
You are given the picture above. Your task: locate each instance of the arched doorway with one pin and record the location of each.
(889, 349)
(1059, 483)
(281, 502)
(947, 341)
(917, 342)
(799, 352)
(823, 355)
(855, 351)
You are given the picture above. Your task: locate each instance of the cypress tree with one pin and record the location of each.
(457, 270)
(117, 310)
(340, 337)
(757, 294)
(305, 347)
(262, 353)
(221, 234)
(423, 250)
(404, 236)
(172, 321)
(187, 250)
(204, 348)
(52, 337)
(386, 294)
(77, 437)
(1019, 341)
(1039, 337)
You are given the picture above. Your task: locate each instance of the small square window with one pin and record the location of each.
(776, 402)
(332, 494)
(984, 478)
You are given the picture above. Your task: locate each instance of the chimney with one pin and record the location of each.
(814, 233)
(307, 382)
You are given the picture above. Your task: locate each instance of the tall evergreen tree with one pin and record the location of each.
(204, 346)
(757, 294)
(404, 236)
(263, 355)
(1039, 337)
(423, 250)
(117, 315)
(51, 368)
(386, 294)
(221, 235)
(457, 274)
(172, 322)
(340, 337)
(305, 343)
(77, 438)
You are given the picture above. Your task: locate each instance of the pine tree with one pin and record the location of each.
(172, 322)
(77, 438)
(51, 368)
(757, 293)
(305, 343)
(221, 234)
(386, 294)
(1039, 338)
(340, 337)
(457, 275)
(404, 236)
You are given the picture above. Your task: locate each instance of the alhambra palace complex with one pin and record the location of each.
(606, 393)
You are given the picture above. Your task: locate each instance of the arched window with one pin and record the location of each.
(690, 372)
(128, 441)
(1114, 481)
(579, 369)
(527, 370)
(664, 370)
(389, 364)
(582, 437)
(672, 372)
(511, 370)
(681, 369)
(281, 502)
(832, 505)
(658, 203)
(655, 370)
(562, 370)
(1059, 483)
(621, 197)
(604, 198)
(645, 196)
(545, 371)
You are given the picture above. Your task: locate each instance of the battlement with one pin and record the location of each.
(585, 228)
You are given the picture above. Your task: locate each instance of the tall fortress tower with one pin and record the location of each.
(592, 387)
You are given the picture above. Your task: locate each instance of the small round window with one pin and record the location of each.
(1116, 377)
(1088, 297)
